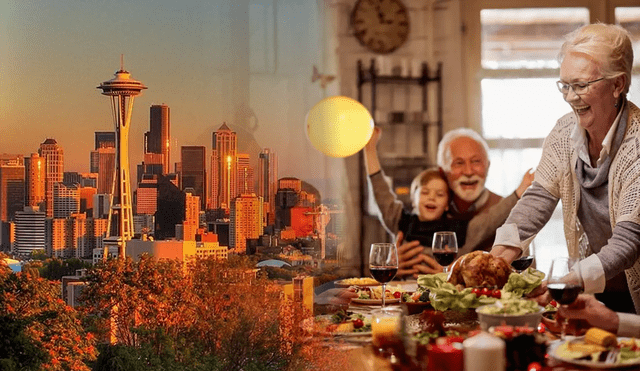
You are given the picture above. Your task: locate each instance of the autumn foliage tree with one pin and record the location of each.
(38, 331)
(207, 315)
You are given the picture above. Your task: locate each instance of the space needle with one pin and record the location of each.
(122, 89)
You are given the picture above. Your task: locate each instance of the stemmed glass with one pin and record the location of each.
(565, 283)
(524, 261)
(383, 264)
(444, 248)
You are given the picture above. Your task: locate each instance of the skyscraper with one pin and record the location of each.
(66, 200)
(122, 89)
(224, 169)
(245, 175)
(246, 221)
(147, 195)
(193, 173)
(53, 156)
(268, 182)
(158, 138)
(11, 187)
(34, 178)
(105, 162)
(105, 139)
(30, 231)
(191, 221)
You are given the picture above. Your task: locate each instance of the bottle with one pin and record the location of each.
(484, 352)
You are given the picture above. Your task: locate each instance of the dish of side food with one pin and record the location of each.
(597, 349)
(342, 323)
(364, 281)
(373, 295)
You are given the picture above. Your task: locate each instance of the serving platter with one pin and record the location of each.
(553, 352)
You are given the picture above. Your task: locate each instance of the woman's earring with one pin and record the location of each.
(615, 104)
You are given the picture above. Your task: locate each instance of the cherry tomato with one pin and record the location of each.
(357, 323)
(534, 366)
(485, 291)
(553, 303)
(397, 294)
(496, 294)
(476, 291)
(507, 331)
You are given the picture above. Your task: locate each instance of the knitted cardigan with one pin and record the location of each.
(556, 173)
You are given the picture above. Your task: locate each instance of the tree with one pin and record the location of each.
(39, 331)
(207, 315)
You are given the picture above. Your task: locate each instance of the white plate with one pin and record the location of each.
(374, 301)
(601, 365)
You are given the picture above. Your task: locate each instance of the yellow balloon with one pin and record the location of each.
(339, 126)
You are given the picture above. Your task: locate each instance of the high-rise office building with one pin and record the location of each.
(170, 212)
(53, 155)
(268, 182)
(224, 169)
(245, 175)
(34, 177)
(122, 90)
(194, 175)
(105, 139)
(86, 200)
(158, 138)
(191, 221)
(61, 238)
(246, 221)
(103, 162)
(30, 231)
(66, 200)
(12, 186)
(102, 205)
(147, 195)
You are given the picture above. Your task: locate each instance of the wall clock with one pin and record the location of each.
(382, 26)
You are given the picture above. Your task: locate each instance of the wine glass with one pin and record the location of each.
(525, 260)
(383, 264)
(444, 248)
(565, 283)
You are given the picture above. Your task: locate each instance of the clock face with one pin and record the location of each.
(380, 25)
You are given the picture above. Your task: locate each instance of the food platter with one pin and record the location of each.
(363, 282)
(321, 324)
(556, 347)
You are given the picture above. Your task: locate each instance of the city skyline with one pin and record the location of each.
(188, 56)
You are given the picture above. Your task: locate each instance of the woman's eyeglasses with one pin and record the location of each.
(577, 87)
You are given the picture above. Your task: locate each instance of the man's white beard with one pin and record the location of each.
(468, 195)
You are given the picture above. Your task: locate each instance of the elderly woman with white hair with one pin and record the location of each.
(590, 161)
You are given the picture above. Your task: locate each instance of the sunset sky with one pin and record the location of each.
(54, 54)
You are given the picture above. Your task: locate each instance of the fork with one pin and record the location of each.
(612, 357)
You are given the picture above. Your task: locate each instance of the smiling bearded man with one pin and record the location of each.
(463, 158)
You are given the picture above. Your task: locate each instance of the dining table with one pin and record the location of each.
(361, 355)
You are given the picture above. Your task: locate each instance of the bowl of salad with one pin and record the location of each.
(510, 312)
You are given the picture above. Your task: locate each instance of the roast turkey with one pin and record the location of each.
(479, 268)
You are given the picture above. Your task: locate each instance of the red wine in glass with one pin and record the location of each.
(565, 283)
(522, 263)
(444, 248)
(383, 274)
(444, 258)
(383, 264)
(564, 293)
